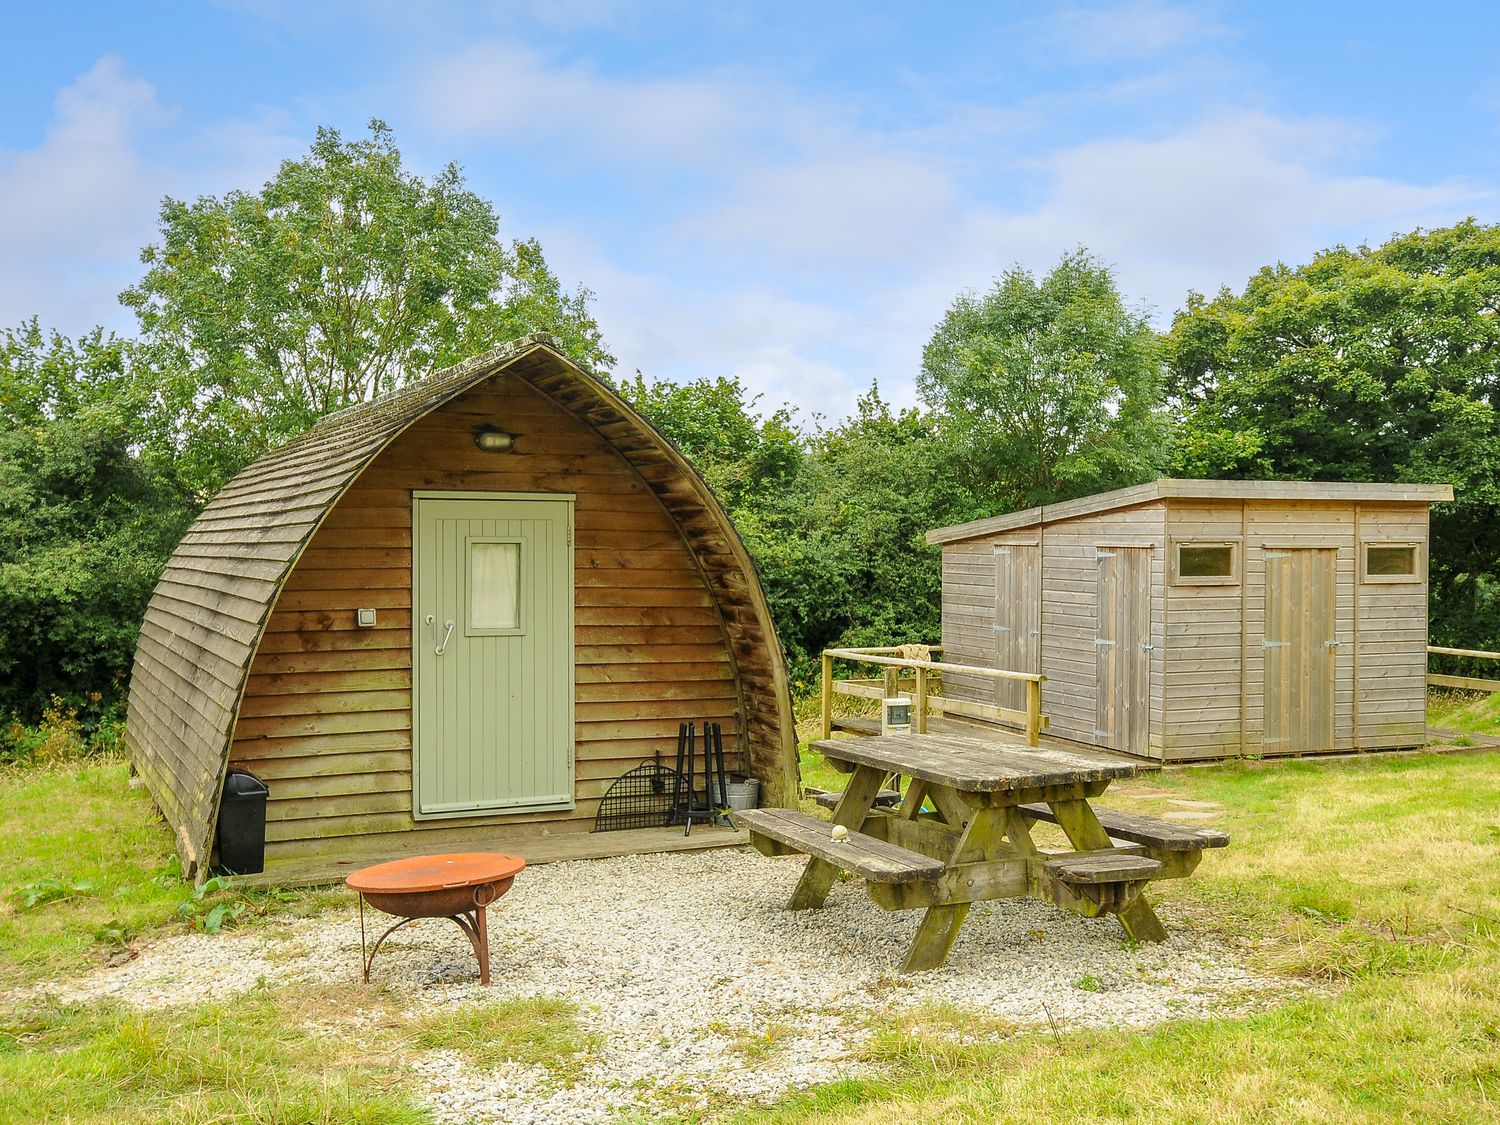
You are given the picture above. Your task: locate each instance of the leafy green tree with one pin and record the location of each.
(86, 523)
(1363, 365)
(747, 459)
(344, 277)
(1052, 388)
(842, 551)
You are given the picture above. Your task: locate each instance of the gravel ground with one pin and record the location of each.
(655, 949)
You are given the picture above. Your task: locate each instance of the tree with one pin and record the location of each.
(842, 551)
(1364, 365)
(86, 523)
(344, 277)
(746, 458)
(1052, 389)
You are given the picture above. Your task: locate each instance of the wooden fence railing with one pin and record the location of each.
(1464, 683)
(920, 684)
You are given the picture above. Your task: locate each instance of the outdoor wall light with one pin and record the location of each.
(492, 440)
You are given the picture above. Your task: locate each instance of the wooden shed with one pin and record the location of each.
(450, 618)
(1196, 619)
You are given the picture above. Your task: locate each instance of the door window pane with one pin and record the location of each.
(1395, 561)
(494, 585)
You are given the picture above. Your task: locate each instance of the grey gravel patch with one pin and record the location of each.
(674, 959)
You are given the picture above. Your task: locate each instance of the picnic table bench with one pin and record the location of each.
(961, 833)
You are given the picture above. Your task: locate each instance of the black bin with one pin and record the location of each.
(242, 825)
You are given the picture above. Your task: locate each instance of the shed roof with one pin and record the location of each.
(1168, 488)
(211, 606)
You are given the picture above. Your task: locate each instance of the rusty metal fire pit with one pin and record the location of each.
(457, 887)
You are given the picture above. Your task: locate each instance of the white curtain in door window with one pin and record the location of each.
(494, 585)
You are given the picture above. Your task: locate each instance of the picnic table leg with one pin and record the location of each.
(1086, 833)
(818, 876)
(982, 836)
(935, 937)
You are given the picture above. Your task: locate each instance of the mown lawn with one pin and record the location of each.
(1378, 880)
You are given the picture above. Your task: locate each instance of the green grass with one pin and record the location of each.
(254, 1059)
(538, 1030)
(100, 866)
(80, 827)
(1465, 711)
(1373, 878)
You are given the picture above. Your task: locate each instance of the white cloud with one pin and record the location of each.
(1211, 203)
(74, 208)
(1126, 32)
(505, 91)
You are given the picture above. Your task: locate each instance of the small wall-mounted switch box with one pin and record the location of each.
(364, 618)
(895, 716)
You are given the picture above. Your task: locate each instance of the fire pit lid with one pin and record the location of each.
(419, 873)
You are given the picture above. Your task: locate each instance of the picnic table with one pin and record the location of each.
(961, 833)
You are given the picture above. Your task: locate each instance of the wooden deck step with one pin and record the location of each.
(1152, 831)
(865, 856)
(1094, 869)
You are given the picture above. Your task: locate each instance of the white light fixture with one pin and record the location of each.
(493, 440)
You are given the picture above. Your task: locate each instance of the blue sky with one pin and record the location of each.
(791, 193)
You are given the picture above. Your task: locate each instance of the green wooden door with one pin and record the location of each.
(492, 644)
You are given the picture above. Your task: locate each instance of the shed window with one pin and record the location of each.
(1204, 563)
(1390, 562)
(494, 586)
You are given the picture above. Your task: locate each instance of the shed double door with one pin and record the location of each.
(492, 624)
(1018, 618)
(1122, 650)
(1299, 645)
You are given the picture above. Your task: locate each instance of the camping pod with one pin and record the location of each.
(448, 619)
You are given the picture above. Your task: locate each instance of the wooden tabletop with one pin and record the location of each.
(419, 874)
(975, 765)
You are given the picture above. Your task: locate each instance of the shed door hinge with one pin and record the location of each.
(1275, 644)
(1099, 554)
(1270, 554)
(1100, 642)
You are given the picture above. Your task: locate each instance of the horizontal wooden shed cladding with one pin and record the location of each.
(656, 555)
(1208, 662)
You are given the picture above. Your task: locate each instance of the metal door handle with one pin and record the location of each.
(442, 645)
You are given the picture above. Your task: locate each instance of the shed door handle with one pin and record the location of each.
(442, 645)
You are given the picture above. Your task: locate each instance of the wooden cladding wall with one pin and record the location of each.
(1390, 656)
(326, 717)
(1069, 613)
(1215, 633)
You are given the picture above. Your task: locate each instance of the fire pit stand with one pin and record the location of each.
(457, 887)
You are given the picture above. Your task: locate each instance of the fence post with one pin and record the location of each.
(825, 688)
(919, 720)
(1033, 712)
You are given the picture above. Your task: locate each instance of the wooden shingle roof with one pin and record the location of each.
(211, 606)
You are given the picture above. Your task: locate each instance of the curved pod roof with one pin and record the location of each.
(211, 606)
